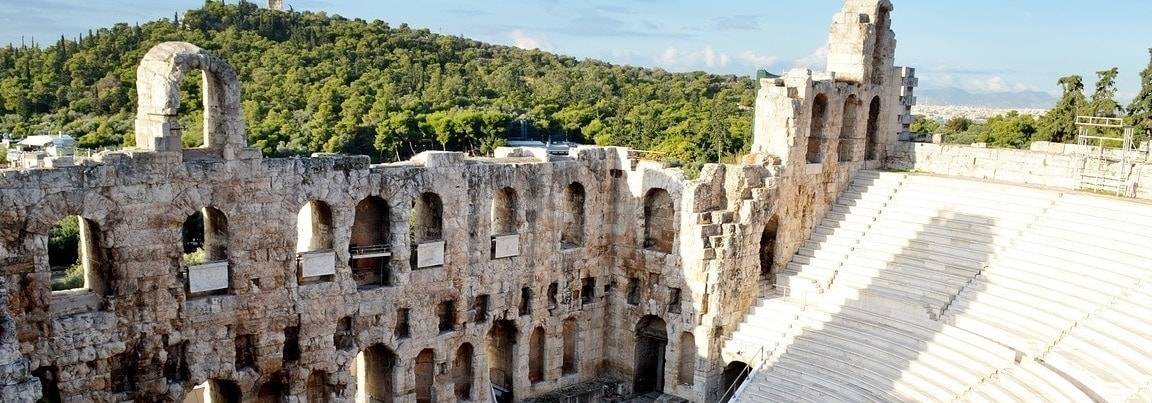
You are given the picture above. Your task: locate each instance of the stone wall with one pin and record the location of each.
(1043, 164)
(554, 271)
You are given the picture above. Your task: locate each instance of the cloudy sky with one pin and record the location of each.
(977, 45)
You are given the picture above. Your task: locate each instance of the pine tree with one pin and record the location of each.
(1060, 122)
(1104, 99)
(1140, 110)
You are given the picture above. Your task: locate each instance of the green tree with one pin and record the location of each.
(1059, 123)
(1140, 110)
(1103, 103)
(921, 124)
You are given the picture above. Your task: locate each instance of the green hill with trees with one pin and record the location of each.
(317, 82)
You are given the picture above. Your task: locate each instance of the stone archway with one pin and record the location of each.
(651, 346)
(157, 112)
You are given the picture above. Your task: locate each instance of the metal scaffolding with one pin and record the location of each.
(1107, 163)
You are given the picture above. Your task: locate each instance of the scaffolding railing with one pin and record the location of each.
(1107, 163)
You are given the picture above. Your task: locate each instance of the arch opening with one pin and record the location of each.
(659, 227)
(686, 372)
(847, 146)
(569, 364)
(651, 346)
(501, 352)
(214, 391)
(375, 368)
(504, 207)
(815, 149)
(75, 257)
(370, 245)
(205, 244)
(872, 140)
(536, 355)
(572, 234)
(425, 375)
(768, 246)
(462, 372)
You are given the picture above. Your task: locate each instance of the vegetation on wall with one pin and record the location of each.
(316, 82)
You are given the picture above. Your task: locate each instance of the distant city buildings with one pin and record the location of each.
(942, 113)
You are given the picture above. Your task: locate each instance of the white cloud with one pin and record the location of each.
(707, 57)
(818, 60)
(755, 60)
(524, 40)
(987, 84)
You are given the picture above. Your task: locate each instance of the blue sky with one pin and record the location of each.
(977, 45)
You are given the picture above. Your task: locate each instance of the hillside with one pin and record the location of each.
(953, 96)
(315, 82)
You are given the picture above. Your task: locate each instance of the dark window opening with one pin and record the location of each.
(446, 311)
(588, 290)
(403, 329)
(480, 309)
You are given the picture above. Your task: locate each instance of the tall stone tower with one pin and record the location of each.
(861, 44)
(276, 5)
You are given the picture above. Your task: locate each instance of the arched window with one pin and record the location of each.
(370, 244)
(374, 372)
(425, 375)
(314, 227)
(572, 232)
(504, 212)
(872, 134)
(659, 228)
(427, 218)
(847, 146)
(75, 257)
(427, 231)
(205, 243)
(536, 355)
(815, 152)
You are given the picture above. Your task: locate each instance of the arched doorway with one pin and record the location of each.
(768, 247)
(734, 374)
(501, 367)
(651, 344)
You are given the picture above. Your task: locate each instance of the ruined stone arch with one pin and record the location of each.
(504, 207)
(814, 153)
(659, 220)
(847, 144)
(91, 254)
(158, 81)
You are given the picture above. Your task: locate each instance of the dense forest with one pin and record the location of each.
(317, 82)
(1058, 124)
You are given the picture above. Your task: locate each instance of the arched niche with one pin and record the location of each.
(814, 153)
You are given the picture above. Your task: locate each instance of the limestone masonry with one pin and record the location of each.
(442, 278)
